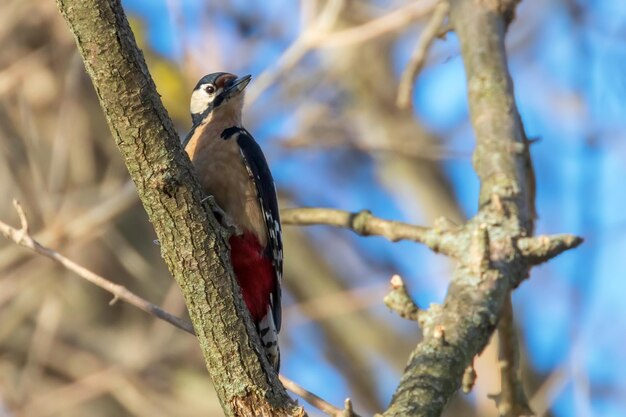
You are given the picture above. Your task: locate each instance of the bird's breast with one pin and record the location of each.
(223, 174)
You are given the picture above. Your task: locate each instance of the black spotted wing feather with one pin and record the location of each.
(259, 171)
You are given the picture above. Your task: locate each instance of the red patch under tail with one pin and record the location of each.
(254, 271)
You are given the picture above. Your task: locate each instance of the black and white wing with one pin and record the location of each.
(259, 171)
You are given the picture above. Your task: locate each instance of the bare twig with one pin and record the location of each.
(320, 35)
(365, 224)
(414, 150)
(297, 50)
(543, 399)
(81, 224)
(418, 58)
(540, 249)
(318, 402)
(511, 401)
(23, 238)
(392, 21)
(400, 301)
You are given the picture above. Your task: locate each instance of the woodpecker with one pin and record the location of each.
(232, 169)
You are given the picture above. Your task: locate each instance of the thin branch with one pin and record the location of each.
(364, 223)
(92, 220)
(320, 35)
(318, 402)
(511, 401)
(418, 58)
(413, 150)
(23, 238)
(297, 50)
(547, 393)
(390, 22)
(540, 249)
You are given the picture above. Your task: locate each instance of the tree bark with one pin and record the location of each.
(192, 243)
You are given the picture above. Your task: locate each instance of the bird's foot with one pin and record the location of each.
(222, 217)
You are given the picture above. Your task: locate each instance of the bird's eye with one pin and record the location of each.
(210, 89)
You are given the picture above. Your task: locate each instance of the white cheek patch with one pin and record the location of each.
(200, 100)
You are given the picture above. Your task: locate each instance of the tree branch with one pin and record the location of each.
(490, 264)
(418, 58)
(364, 223)
(192, 244)
(540, 249)
(23, 238)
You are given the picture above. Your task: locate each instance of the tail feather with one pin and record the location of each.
(269, 338)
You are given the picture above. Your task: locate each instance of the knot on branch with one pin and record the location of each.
(429, 321)
(506, 8)
(166, 182)
(540, 249)
(517, 408)
(400, 301)
(469, 378)
(480, 253)
(359, 222)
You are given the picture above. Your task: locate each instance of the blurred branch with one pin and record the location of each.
(23, 238)
(377, 122)
(80, 224)
(317, 402)
(434, 152)
(377, 27)
(297, 50)
(351, 338)
(320, 34)
(365, 224)
(418, 58)
(511, 401)
(192, 244)
(545, 396)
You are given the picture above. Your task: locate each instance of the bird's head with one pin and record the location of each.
(218, 93)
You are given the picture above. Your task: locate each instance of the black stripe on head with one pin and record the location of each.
(196, 118)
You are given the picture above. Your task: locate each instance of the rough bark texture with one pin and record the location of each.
(192, 243)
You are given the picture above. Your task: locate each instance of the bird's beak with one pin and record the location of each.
(236, 86)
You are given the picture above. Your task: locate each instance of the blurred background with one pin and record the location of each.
(323, 110)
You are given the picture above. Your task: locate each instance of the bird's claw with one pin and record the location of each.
(221, 216)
